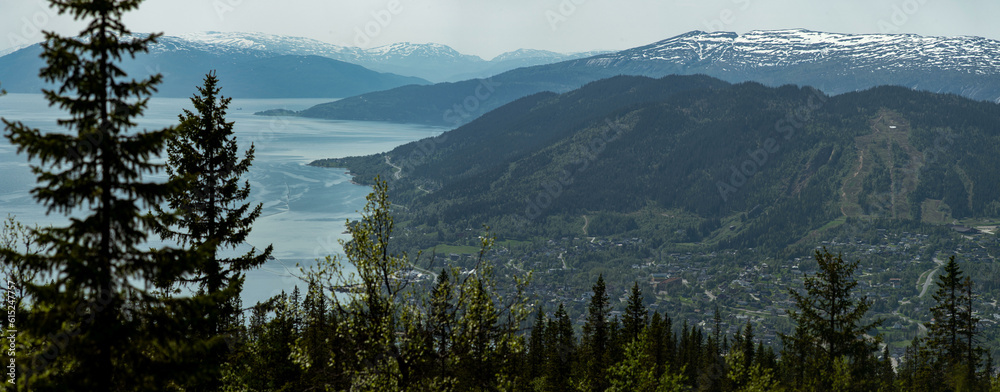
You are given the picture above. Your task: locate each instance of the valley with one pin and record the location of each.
(860, 176)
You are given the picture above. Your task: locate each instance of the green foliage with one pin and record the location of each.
(95, 323)
(830, 328)
(635, 317)
(391, 335)
(525, 171)
(633, 373)
(951, 359)
(560, 352)
(209, 211)
(597, 338)
(748, 378)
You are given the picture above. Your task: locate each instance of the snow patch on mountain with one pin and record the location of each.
(779, 48)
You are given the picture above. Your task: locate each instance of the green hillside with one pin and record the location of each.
(746, 165)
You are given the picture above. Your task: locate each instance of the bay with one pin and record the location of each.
(304, 207)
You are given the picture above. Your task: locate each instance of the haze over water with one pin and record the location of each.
(304, 207)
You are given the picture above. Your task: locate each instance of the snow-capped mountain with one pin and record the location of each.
(248, 66)
(833, 62)
(265, 45)
(434, 62)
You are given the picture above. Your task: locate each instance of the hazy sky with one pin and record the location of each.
(490, 27)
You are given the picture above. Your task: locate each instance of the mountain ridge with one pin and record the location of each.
(431, 61)
(244, 73)
(833, 62)
(773, 163)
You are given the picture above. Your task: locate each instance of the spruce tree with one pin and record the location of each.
(561, 351)
(536, 346)
(952, 336)
(442, 322)
(100, 325)
(654, 342)
(830, 326)
(944, 336)
(210, 211)
(747, 347)
(635, 316)
(597, 337)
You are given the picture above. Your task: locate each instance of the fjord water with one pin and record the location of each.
(304, 207)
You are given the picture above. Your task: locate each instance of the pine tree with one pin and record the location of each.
(633, 373)
(210, 211)
(597, 337)
(561, 351)
(830, 327)
(944, 333)
(536, 345)
(747, 347)
(635, 317)
(94, 307)
(442, 322)
(275, 369)
(885, 374)
(973, 354)
(952, 336)
(717, 326)
(917, 372)
(315, 345)
(654, 343)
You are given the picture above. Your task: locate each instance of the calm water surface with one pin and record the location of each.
(304, 207)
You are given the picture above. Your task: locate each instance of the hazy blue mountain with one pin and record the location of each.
(834, 63)
(434, 62)
(245, 69)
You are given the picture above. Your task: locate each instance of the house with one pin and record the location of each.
(895, 282)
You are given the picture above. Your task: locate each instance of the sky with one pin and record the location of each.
(490, 27)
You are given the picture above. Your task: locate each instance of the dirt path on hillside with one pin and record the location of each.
(399, 170)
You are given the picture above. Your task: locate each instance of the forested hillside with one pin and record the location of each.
(785, 161)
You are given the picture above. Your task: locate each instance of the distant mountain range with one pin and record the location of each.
(244, 71)
(695, 159)
(834, 63)
(253, 65)
(434, 62)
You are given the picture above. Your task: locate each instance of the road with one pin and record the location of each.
(586, 222)
(930, 276)
(399, 171)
